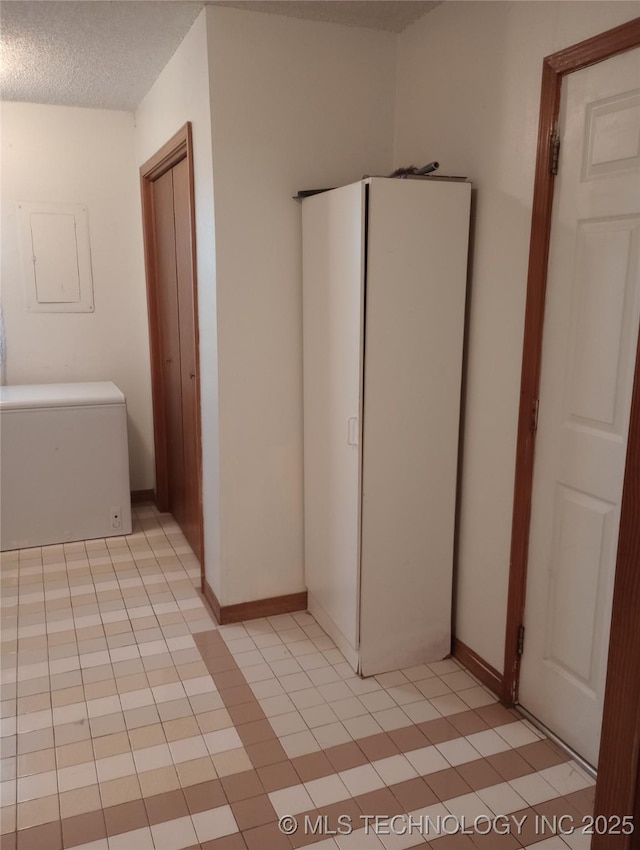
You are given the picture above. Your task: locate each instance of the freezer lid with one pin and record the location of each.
(28, 396)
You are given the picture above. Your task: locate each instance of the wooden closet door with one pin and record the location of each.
(187, 329)
(176, 311)
(169, 330)
(170, 252)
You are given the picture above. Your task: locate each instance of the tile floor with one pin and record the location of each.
(131, 721)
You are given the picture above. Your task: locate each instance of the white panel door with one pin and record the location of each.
(333, 293)
(590, 338)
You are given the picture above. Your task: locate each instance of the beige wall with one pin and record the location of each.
(181, 94)
(468, 93)
(55, 154)
(295, 105)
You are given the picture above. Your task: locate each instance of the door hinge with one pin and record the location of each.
(520, 648)
(555, 154)
(533, 422)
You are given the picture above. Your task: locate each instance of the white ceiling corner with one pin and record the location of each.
(106, 54)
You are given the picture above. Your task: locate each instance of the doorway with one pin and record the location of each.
(619, 754)
(169, 236)
(592, 313)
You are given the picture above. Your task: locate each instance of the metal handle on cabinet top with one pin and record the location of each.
(352, 430)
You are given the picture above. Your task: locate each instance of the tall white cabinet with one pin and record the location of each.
(384, 270)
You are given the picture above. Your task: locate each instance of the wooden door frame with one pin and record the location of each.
(179, 147)
(619, 750)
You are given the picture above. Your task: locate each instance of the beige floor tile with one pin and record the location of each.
(67, 696)
(8, 816)
(145, 623)
(114, 767)
(127, 668)
(158, 781)
(174, 709)
(77, 776)
(71, 733)
(192, 670)
(147, 736)
(183, 727)
(36, 642)
(170, 618)
(136, 699)
(98, 690)
(117, 628)
(211, 721)
(38, 762)
(37, 702)
(77, 753)
(107, 724)
(35, 812)
(135, 718)
(59, 638)
(62, 681)
(90, 632)
(174, 833)
(152, 758)
(117, 791)
(31, 742)
(135, 682)
(232, 761)
(98, 673)
(196, 771)
(111, 745)
(8, 769)
(79, 801)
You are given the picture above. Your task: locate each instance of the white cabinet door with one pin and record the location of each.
(333, 273)
(415, 302)
(590, 338)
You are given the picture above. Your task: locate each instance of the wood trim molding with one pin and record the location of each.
(480, 668)
(593, 50)
(212, 601)
(140, 496)
(574, 58)
(170, 154)
(530, 377)
(255, 609)
(617, 789)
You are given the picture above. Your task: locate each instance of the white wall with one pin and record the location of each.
(295, 105)
(55, 154)
(181, 94)
(468, 93)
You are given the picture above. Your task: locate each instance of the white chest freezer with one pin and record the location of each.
(64, 458)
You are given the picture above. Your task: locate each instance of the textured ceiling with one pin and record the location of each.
(108, 54)
(391, 15)
(84, 53)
